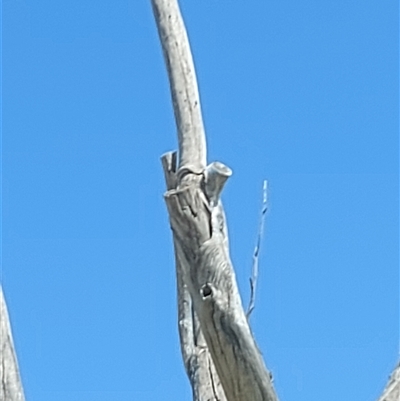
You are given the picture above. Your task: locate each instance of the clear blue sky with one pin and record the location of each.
(301, 93)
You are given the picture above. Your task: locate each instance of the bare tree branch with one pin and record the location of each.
(200, 235)
(183, 83)
(392, 389)
(10, 381)
(254, 273)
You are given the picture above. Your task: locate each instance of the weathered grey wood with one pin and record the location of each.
(211, 317)
(10, 381)
(200, 235)
(392, 389)
(199, 366)
(201, 247)
(183, 83)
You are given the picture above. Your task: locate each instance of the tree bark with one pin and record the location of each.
(199, 366)
(205, 275)
(10, 382)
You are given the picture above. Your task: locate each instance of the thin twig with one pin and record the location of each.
(254, 273)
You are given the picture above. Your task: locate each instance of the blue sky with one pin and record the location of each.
(301, 93)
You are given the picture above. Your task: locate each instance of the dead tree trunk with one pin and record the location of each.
(219, 352)
(10, 382)
(209, 303)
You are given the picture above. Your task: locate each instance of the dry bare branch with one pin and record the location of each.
(200, 235)
(392, 389)
(183, 84)
(256, 255)
(10, 381)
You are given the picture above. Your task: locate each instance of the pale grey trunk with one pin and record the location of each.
(10, 384)
(218, 347)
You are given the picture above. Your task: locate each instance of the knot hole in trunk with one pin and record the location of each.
(206, 291)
